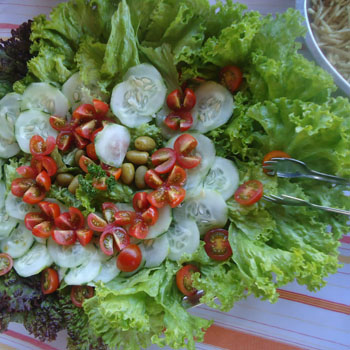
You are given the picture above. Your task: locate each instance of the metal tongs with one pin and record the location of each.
(293, 168)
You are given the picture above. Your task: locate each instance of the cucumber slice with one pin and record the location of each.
(7, 224)
(2, 194)
(213, 108)
(16, 208)
(44, 97)
(223, 177)
(18, 243)
(162, 224)
(154, 253)
(112, 143)
(124, 206)
(209, 210)
(30, 123)
(8, 148)
(10, 106)
(183, 238)
(109, 271)
(70, 256)
(33, 262)
(139, 96)
(62, 272)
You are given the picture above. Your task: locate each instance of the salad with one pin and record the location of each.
(131, 143)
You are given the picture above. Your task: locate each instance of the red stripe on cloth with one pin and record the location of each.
(345, 239)
(29, 340)
(8, 25)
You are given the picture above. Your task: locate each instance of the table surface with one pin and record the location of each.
(299, 320)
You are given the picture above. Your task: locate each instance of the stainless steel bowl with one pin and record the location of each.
(320, 58)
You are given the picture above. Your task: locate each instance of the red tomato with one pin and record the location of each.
(107, 243)
(20, 185)
(179, 120)
(150, 216)
(80, 142)
(189, 100)
(184, 279)
(184, 146)
(44, 180)
(177, 176)
(113, 237)
(49, 281)
(39, 147)
(124, 217)
(63, 221)
(231, 77)
(76, 218)
(51, 210)
(64, 140)
(79, 294)
(6, 263)
(173, 100)
(175, 195)
(91, 151)
(177, 101)
(139, 228)
(152, 179)
(249, 193)
(96, 223)
(217, 245)
(164, 160)
(85, 130)
(100, 183)
(109, 210)
(101, 107)
(43, 230)
(94, 133)
(44, 163)
(129, 259)
(84, 162)
(140, 202)
(84, 236)
(34, 195)
(158, 198)
(59, 123)
(274, 154)
(84, 112)
(33, 218)
(64, 237)
(26, 171)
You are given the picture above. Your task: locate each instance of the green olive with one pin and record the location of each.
(64, 179)
(145, 143)
(128, 173)
(73, 185)
(140, 177)
(78, 154)
(137, 157)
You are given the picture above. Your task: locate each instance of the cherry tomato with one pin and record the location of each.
(26, 171)
(43, 230)
(249, 193)
(91, 151)
(64, 237)
(177, 177)
(39, 147)
(217, 245)
(184, 280)
(175, 195)
(59, 123)
(84, 162)
(274, 154)
(152, 179)
(189, 100)
(107, 243)
(85, 130)
(49, 281)
(20, 185)
(177, 101)
(64, 140)
(33, 218)
(124, 217)
(179, 120)
(139, 228)
(100, 183)
(101, 107)
(164, 159)
(150, 216)
(96, 223)
(113, 237)
(44, 180)
(63, 221)
(84, 236)
(112, 171)
(80, 142)
(140, 202)
(6, 263)
(79, 294)
(173, 100)
(158, 198)
(51, 210)
(231, 77)
(84, 112)
(94, 133)
(129, 259)
(44, 163)
(109, 210)
(76, 218)
(184, 146)
(34, 195)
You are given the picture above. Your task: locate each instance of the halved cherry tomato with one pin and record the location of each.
(179, 120)
(49, 281)
(164, 159)
(129, 259)
(249, 193)
(26, 171)
(175, 195)
(64, 140)
(177, 177)
(124, 217)
(84, 162)
(6, 263)
(85, 130)
(84, 236)
(64, 237)
(184, 146)
(59, 123)
(139, 228)
(217, 245)
(231, 77)
(152, 179)
(39, 147)
(150, 216)
(76, 218)
(274, 154)
(94, 133)
(173, 100)
(91, 151)
(107, 243)
(114, 237)
(140, 202)
(84, 112)
(100, 183)
(158, 198)
(44, 180)
(189, 100)
(80, 142)
(63, 221)
(101, 107)
(33, 218)
(51, 210)
(20, 185)
(34, 195)
(43, 230)
(184, 280)
(109, 209)
(79, 294)
(96, 223)
(178, 101)
(44, 162)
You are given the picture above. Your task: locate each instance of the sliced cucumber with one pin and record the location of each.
(7, 224)
(10, 106)
(112, 144)
(213, 108)
(2, 194)
(183, 238)
(109, 271)
(70, 256)
(30, 123)
(223, 177)
(34, 261)
(62, 272)
(209, 210)
(124, 206)
(162, 224)
(16, 208)
(8, 148)
(155, 251)
(44, 97)
(18, 243)
(139, 96)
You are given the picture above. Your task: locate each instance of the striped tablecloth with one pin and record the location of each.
(299, 320)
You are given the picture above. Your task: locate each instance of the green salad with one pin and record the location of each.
(132, 140)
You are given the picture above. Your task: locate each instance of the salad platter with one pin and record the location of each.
(131, 168)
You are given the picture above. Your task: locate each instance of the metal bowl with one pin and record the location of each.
(320, 58)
